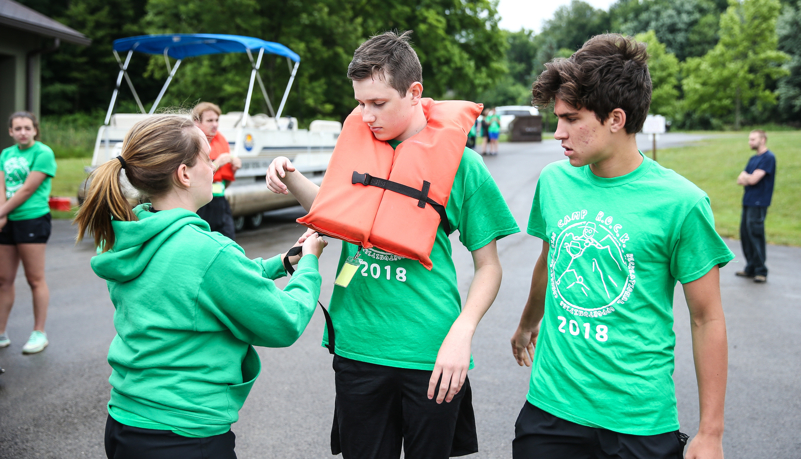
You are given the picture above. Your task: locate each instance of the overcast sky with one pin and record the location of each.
(529, 14)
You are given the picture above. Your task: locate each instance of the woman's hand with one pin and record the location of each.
(314, 244)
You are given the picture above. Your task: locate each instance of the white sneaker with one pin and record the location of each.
(4, 341)
(36, 343)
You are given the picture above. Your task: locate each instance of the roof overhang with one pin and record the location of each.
(21, 17)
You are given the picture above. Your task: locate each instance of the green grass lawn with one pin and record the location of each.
(714, 165)
(68, 178)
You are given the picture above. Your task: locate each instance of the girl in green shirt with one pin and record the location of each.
(189, 304)
(25, 173)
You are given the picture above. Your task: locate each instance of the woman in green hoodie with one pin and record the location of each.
(189, 304)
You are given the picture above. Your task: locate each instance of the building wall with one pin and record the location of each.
(14, 47)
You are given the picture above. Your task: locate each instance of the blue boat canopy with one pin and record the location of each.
(180, 46)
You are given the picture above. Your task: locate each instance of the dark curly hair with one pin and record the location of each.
(610, 71)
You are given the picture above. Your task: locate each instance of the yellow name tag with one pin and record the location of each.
(217, 188)
(347, 272)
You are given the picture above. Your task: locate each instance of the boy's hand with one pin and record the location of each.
(523, 343)
(3, 221)
(276, 174)
(705, 447)
(452, 363)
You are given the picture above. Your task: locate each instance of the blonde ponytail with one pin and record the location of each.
(152, 151)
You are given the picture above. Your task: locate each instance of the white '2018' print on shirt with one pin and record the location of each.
(374, 270)
(576, 329)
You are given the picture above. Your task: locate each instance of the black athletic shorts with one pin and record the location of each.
(217, 214)
(541, 435)
(33, 231)
(126, 442)
(380, 408)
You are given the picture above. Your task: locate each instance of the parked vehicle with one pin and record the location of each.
(256, 139)
(509, 112)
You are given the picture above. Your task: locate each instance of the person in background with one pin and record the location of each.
(189, 305)
(26, 170)
(218, 212)
(757, 179)
(484, 131)
(494, 131)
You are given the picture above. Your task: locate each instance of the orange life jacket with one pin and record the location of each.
(219, 145)
(394, 200)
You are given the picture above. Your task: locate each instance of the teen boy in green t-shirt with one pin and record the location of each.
(618, 231)
(402, 336)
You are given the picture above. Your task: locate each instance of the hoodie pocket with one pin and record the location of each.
(237, 393)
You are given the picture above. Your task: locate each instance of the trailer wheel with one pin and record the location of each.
(239, 223)
(254, 221)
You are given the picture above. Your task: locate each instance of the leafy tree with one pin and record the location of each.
(459, 45)
(77, 78)
(664, 69)
(686, 27)
(789, 89)
(520, 55)
(735, 71)
(574, 24)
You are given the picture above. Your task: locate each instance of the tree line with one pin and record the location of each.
(714, 63)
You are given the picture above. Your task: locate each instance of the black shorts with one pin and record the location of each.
(541, 435)
(33, 231)
(217, 214)
(126, 442)
(380, 408)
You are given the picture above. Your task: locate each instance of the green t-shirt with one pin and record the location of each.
(16, 165)
(397, 313)
(494, 124)
(617, 247)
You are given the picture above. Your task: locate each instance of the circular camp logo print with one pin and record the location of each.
(248, 142)
(590, 271)
(16, 170)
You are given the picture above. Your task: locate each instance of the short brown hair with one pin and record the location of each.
(610, 71)
(152, 150)
(387, 55)
(761, 133)
(24, 114)
(197, 112)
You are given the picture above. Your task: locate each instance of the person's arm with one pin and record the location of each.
(282, 178)
(746, 179)
(240, 294)
(453, 358)
(30, 185)
(710, 353)
(524, 339)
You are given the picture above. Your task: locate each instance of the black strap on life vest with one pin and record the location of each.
(328, 323)
(420, 195)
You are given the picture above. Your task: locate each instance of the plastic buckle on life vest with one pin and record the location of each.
(363, 179)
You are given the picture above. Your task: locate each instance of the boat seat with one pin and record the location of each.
(230, 121)
(325, 126)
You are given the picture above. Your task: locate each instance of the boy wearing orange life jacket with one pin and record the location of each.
(403, 338)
